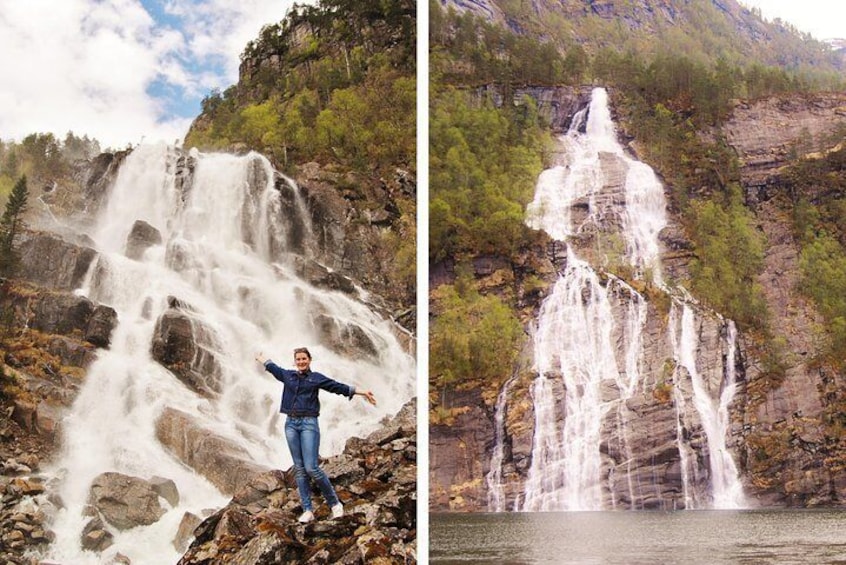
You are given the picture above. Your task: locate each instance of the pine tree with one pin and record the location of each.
(10, 225)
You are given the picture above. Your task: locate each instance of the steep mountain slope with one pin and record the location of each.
(701, 29)
(330, 100)
(754, 192)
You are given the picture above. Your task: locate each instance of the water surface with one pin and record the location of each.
(747, 537)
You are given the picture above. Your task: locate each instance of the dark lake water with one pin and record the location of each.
(743, 537)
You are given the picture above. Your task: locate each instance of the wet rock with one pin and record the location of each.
(22, 529)
(95, 537)
(259, 526)
(65, 314)
(320, 276)
(48, 260)
(100, 325)
(184, 345)
(74, 352)
(166, 488)
(96, 177)
(223, 462)
(347, 339)
(125, 501)
(185, 533)
(141, 237)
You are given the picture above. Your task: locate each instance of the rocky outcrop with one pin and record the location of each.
(185, 346)
(555, 104)
(347, 339)
(66, 313)
(374, 477)
(458, 454)
(124, 501)
(483, 8)
(223, 462)
(766, 133)
(141, 237)
(320, 276)
(51, 261)
(785, 419)
(58, 266)
(349, 216)
(96, 177)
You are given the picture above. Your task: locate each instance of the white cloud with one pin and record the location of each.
(823, 19)
(87, 65)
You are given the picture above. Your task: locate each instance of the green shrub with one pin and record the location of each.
(472, 337)
(729, 256)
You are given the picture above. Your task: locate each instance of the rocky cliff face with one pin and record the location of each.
(375, 479)
(777, 433)
(787, 420)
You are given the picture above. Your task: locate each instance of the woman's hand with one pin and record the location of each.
(368, 396)
(261, 358)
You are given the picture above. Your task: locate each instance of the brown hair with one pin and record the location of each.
(302, 350)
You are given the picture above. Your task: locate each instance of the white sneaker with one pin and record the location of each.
(307, 517)
(338, 510)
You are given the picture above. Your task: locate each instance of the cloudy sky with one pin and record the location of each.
(126, 70)
(823, 19)
(120, 70)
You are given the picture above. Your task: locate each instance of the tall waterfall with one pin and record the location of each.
(726, 490)
(223, 255)
(589, 338)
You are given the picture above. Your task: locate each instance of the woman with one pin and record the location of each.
(300, 404)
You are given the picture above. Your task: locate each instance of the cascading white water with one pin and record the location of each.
(726, 491)
(574, 341)
(687, 456)
(729, 492)
(577, 322)
(496, 494)
(581, 176)
(216, 257)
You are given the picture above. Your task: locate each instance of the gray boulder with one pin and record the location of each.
(125, 501)
(140, 238)
(224, 463)
(185, 532)
(183, 345)
(95, 536)
(166, 488)
(50, 261)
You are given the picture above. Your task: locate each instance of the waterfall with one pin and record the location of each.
(589, 339)
(496, 494)
(573, 343)
(726, 491)
(581, 177)
(224, 256)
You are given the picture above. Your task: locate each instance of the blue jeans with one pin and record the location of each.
(303, 436)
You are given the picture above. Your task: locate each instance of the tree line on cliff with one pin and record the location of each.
(333, 83)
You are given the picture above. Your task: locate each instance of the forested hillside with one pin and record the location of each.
(319, 87)
(485, 157)
(43, 158)
(683, 78)
(339, 92)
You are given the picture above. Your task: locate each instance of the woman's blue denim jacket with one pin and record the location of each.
(299, 395)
